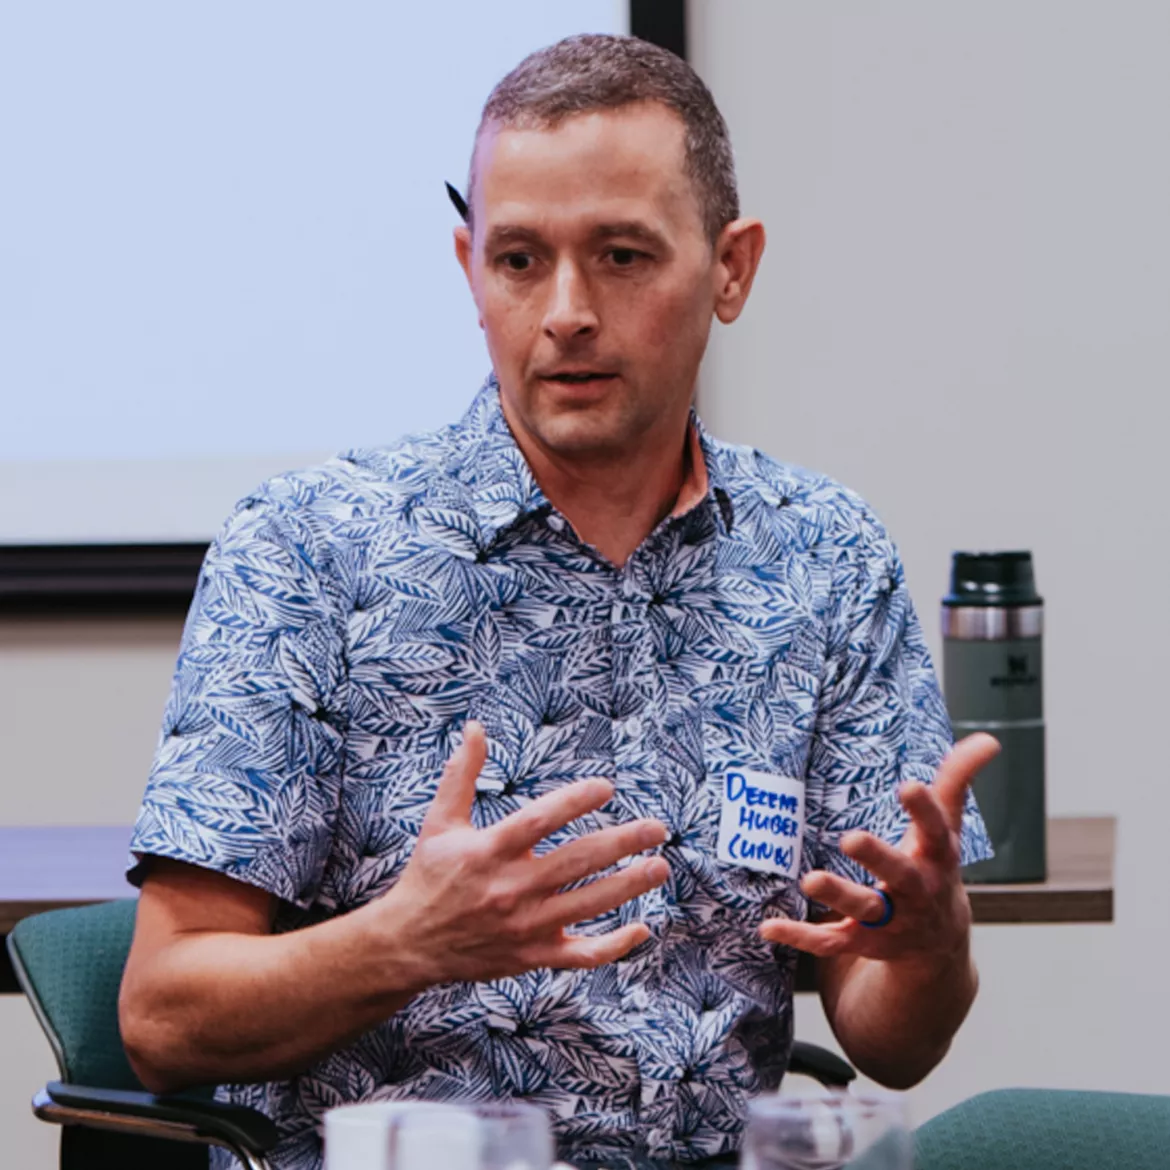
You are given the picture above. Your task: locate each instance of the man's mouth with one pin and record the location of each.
(576, 377)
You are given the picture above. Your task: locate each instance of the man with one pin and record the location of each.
(502, 762)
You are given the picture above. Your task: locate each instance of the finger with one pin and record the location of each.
(605, 894)
(848, 898)
(456, 791)
(596, 950)
(958, 769)
(597, 851)
(523, 829)
(822, 939)
(930, 822)
(897, 869)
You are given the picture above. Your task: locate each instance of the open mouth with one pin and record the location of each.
(577, 378)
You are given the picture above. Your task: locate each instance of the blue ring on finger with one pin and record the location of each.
(887, 915)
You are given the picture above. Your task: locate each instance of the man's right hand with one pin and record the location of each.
(476, 904)
(210, 995)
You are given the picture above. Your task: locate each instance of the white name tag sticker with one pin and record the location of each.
(761, 821)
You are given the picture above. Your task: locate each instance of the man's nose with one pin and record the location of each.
(570, 313)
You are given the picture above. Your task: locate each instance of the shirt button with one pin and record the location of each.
(555, 522)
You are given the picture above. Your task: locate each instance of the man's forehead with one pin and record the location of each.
(615, 162)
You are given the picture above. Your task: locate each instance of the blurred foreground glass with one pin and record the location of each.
(427, 1135)
(513, 1137)
(827, 1133)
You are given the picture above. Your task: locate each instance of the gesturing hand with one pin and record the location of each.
(479, 905)
(932, 915)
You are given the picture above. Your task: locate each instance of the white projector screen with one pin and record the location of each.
(225, 246)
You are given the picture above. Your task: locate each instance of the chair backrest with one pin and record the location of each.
(1048, 1129)
(69, 964)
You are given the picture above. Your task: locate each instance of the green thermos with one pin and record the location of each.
(992, 625)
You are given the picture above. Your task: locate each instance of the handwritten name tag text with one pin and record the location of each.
(761, 821)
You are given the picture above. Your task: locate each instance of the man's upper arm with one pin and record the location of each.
(178, 900)
(246, 775)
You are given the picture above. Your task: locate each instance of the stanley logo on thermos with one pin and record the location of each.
(1018, 674)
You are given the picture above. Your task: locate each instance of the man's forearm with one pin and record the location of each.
(218, 1007)
(896, 1021)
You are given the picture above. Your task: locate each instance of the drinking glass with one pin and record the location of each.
(864, 1132)
(513, 1136)
(428, 1135)
(363, 1136)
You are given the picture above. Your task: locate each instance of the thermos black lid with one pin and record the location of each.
(992, 578)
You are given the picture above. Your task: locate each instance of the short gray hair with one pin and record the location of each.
(595, 72)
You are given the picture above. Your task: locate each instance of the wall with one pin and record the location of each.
(80, 759)
(964, 313)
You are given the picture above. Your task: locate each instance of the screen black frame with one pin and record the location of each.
(121, 580)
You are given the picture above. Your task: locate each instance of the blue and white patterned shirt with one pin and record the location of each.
(349, 619)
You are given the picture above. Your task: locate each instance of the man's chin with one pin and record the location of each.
(588, 427)
(584, 434)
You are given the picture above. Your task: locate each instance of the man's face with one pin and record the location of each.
(594, 278)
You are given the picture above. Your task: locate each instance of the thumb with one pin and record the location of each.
(956, 772)
(456, 791)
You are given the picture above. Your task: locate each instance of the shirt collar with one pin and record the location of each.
(500, 486)
(714, 482)
(502, 490)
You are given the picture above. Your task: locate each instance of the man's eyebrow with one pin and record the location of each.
(626, 229)
(507, 233)
(629, 229)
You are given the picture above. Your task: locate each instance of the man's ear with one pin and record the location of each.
(463, 249)
(463, 253)
(737, 256)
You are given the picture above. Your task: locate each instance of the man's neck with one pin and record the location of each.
(615, 503)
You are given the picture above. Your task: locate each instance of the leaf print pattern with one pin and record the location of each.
(350, 618)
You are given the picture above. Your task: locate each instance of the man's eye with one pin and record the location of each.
(516, 261)
(625, 257)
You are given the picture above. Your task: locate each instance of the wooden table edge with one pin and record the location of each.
(13, 912)
(1015, 905)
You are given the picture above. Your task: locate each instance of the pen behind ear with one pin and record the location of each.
(458, 201)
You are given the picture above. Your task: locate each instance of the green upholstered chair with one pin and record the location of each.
(1048, 1129)
(69, 963)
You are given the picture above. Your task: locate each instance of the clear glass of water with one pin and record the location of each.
(863, 1132)
(471, 1136)
(513, 1136)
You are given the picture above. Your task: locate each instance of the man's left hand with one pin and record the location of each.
(931, 913)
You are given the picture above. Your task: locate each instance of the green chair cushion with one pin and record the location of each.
(70, 964)
(1048, 1129)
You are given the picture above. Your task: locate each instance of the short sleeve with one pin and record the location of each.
(881, 718)
(246, 774)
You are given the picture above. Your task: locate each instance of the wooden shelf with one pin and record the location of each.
(1079, 887)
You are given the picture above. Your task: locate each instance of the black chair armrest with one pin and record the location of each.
(235, 1126)
(811, 1060)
